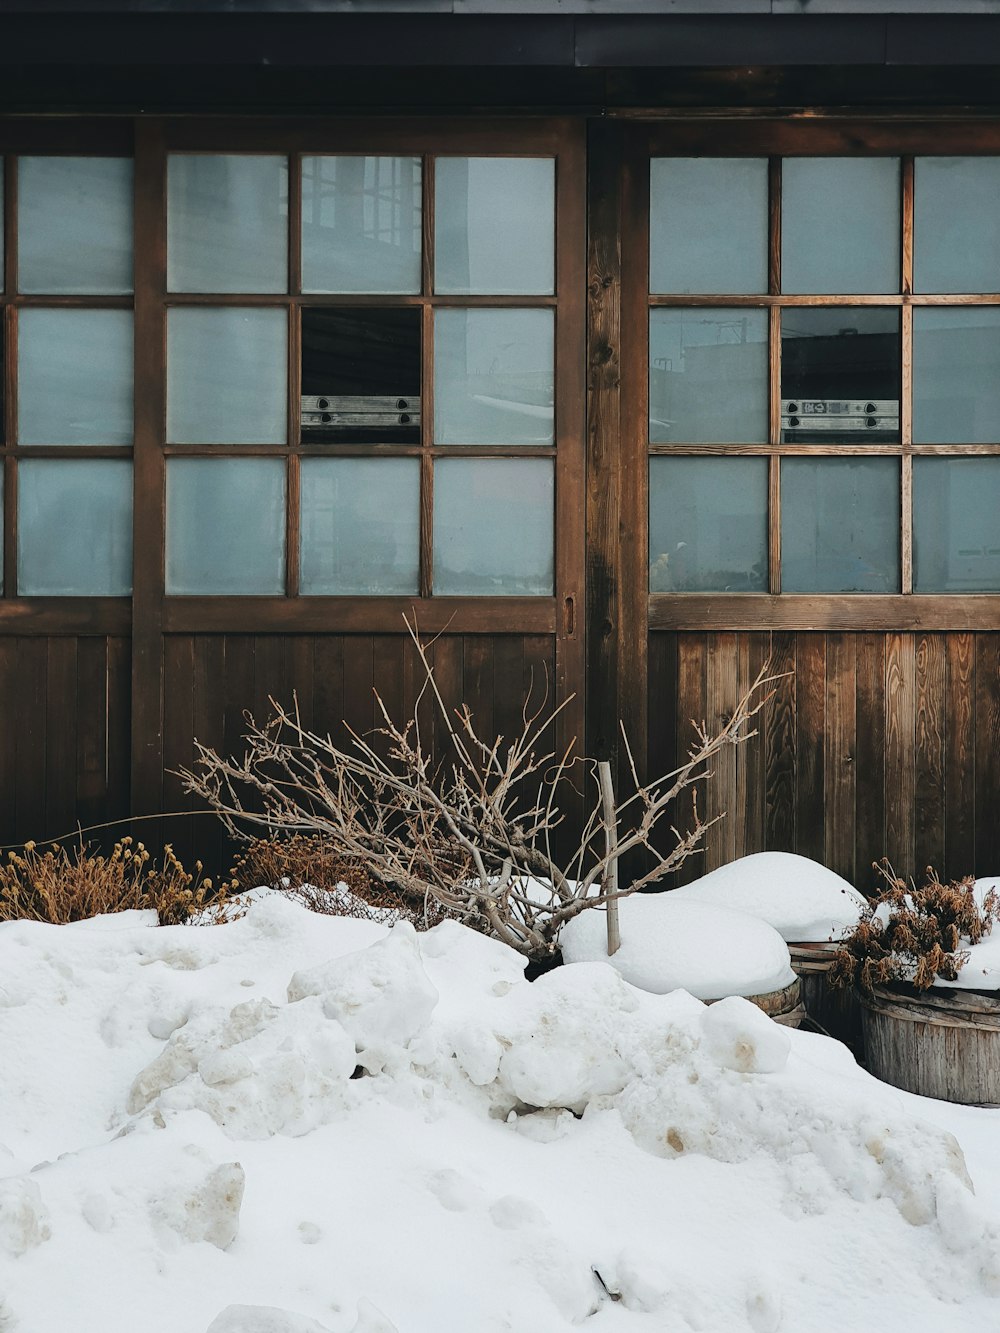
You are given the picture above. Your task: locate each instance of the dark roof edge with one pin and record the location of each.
(525, 9)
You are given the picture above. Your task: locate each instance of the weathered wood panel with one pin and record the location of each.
(64, 736)
(873, 745)
(211, 680)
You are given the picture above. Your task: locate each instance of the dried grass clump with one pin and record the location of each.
(309, 868)
(59, 885)
(914, 935)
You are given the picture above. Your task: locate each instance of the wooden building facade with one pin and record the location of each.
(626, 347)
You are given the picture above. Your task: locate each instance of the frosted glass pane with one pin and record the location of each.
(493, 527)
(708, 224)
(708, 524)
(74, 224)
(956, 538)
(494, 225)
(361, 224)
(74, 376)
(956, 376)
(840, 224)
(840, 525)
(956, 224)
(708, 376)
(226, 525)
(360, 525)
(74, 527)
(493, 376)
(227, 376)
(227, 223)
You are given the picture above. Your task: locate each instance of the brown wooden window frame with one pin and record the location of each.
(776, 139)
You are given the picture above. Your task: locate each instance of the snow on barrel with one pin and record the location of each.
(800, 898)
(669, 943)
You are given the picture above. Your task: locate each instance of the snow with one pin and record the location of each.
(801, 899)
(189, 1143)
(670, 942)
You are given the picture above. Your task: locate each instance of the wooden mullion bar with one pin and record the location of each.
(906, 525)
(148, 476)
(774, 525)
(906, 249)
(774, 225)
(426, 458)
(9, 514)
(295, 223)
(293, 473)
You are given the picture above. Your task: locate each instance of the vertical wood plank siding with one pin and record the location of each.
(877, 745)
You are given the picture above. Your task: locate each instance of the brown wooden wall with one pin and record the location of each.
(211, 679)
(875, 745)
(64, 733)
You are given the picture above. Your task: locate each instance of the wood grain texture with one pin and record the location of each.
(929, 752)
(960, 752)
(840, 759)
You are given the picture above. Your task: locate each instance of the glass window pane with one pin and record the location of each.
(494, 225)
(226, 525)
(956, 537)
(708, 376)
(227, 376)
(956, 224)
(839, 525)
(360, 525)
(708, 524)
(74, 224)
(227, 223)
(493, 376)
(360, 375)
(708, 224)
(74, 376)
(840, 224)
(840, 376)
(361, 224)
(956, 376)
(88, 503)
(493, 527)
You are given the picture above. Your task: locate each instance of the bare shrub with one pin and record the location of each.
(59, 885)
(471, 831)
(914, 935)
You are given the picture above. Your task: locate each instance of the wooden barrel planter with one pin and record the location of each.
(939, 1043)
(784, 1006)
(834, 1010)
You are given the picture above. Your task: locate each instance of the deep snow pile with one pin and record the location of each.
(669, 941)
(802, 899)
(186, 1150)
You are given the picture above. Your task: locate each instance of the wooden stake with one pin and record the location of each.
(610, 885)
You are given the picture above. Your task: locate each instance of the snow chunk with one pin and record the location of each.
(381, 995)
(24, 1220)
(739, 1036)
(670, 943)
(372, 1320)
(263, 1319)
(801, 899)
(207, 1209)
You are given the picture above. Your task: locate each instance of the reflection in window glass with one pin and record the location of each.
(227, 223)
(839, 525)
(361, 224)
(956, 224)
(226, 526)
(708, 376)
(88, 503)
(360, 526)
(493, 376)
(227, 376)
(840, 375)
(840, 224)
(708, 224)
(956, 375)
(360, 375)
(494, 225)
(74, 220)
(956, 538)
(708, 524)
(74, 376)
(493, 527)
